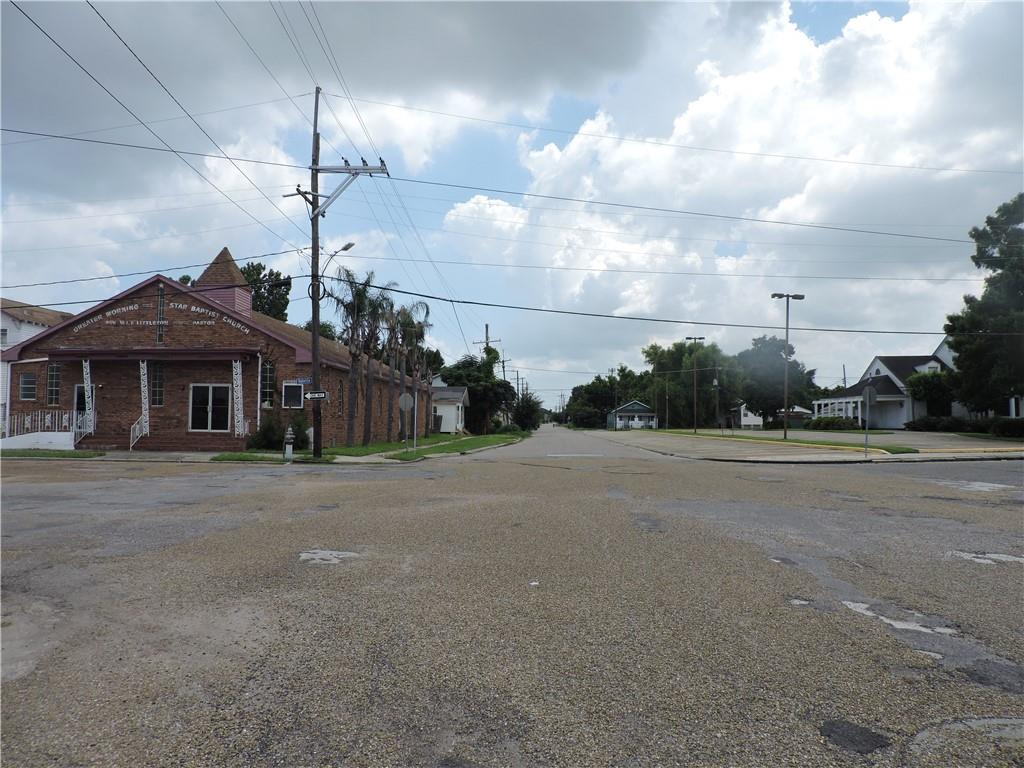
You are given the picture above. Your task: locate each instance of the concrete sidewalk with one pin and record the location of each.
(714, 447)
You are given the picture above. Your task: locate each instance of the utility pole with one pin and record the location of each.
(517, 384)
(487, 337)
(316, 211)
(844, 377)
(693, 364)
(615, 400)
(785, 386)
(718, 418)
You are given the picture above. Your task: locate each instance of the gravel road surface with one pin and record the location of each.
(566, 601)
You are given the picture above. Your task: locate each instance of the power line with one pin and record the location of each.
(125, 213)
(111, 243)
(165, 148)
(599, 315)
(636, 318)
(305, 117)
(682, 273)
(333, 62)
(140, 121)
(491, 190)
(691, 147)
(158, 120)
(702, 214)
(190, 117)
(48, 203)
(156, 270)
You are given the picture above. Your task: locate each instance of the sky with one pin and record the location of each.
(508, 129)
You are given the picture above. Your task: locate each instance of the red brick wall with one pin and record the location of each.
(190, 325)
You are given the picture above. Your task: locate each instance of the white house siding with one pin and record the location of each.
(453, 418)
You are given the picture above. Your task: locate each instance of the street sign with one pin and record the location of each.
(307, 381)
(315, 395)
(405, 401)
(870, 395)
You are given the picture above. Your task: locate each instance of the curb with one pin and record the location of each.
(849, 447)
(450, 454)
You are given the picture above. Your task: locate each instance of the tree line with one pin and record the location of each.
(754, 376)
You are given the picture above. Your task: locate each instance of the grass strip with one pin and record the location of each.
(49, 453)
(798, 441)
(461, 446)
(247, 456)
(986, 436)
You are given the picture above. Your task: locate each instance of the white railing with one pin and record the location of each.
(137, 433)
(41, 421)
(82, 427)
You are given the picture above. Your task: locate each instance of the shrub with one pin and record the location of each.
(923, 424)
(1007, 427)
(831, 422)
(269, 436)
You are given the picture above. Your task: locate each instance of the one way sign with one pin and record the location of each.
(316, 395)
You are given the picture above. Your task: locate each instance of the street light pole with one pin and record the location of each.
(785, 386)
(693, 364)
(615, 404)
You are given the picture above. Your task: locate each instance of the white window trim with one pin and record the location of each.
(262, 389)
(302, 393)
(210, 417)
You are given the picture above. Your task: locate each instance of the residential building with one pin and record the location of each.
(20, 322)
(632, 415)
(450, 404)
(164, 366)
(888, 374)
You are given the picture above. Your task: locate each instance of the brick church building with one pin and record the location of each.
(165, 366)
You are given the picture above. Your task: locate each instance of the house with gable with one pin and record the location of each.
(165, 366)
(888, 374)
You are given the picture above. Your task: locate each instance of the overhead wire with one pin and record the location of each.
(616, 270)
(129, 110)
(619, 205)
(690, 147)
(597, 315)
(189, 115)
(302, 113)
(366, 131)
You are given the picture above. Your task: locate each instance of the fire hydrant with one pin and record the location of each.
(289, 441)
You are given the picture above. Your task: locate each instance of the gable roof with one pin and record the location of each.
(27, 313)
(222, 271)
(905, 366)
(449, 394)
(883, 384)
(641, 409)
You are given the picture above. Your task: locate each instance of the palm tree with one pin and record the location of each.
(411, 332)
(377, 311)
(358, 308)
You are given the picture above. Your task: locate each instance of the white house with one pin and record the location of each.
(894, 406)
(450, 405)
(744, 418)
(632, 415)
(19, 322)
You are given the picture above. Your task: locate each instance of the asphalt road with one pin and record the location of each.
(567, 601)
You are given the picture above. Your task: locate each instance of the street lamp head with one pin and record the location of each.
(797, 297)
(778, 295)
(348, 246)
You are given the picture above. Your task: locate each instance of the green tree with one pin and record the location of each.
(935, 389)
(764, 369)
(988, 334)
(672, 369)
(270, 289)
(527, 411)
(327, 330)
(488, 395)
(185, 279)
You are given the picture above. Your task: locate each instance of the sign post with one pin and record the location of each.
(870, 395)
(405, 402)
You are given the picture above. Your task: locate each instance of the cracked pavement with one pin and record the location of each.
(565, 601)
